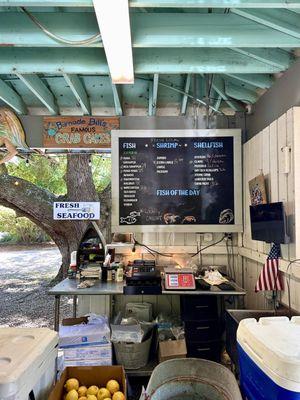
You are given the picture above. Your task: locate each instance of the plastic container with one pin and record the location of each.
(269, 358)
(191, 379)
(27, 362)
(133, 355)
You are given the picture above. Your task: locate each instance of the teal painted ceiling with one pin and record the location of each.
(185, 52)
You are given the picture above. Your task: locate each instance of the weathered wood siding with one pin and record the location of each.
(263, 153)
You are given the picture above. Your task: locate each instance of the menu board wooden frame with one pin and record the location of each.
(237, 226)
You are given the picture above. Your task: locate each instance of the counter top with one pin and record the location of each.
(68, 287)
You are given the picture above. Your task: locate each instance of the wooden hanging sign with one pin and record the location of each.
(78, 132)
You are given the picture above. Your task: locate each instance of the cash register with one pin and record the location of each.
(142, 277)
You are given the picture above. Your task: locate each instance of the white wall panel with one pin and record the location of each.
(281, 185)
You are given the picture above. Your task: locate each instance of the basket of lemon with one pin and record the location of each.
(91, 383)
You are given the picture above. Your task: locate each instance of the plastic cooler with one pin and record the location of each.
(27, 362)
(269, 358)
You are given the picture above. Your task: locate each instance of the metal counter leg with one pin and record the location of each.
(56, 313)
(74, 306)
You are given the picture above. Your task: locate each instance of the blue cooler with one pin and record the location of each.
(269, 358)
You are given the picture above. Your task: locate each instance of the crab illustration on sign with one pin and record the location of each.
(131, 218)
(12, 135)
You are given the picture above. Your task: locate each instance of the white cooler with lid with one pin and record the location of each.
(27, 362)
(269, 358)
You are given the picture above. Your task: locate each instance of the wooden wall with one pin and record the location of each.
(263, 153)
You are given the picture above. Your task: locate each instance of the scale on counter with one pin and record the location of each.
(179, 279)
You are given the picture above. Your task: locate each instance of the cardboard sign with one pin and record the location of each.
(78, 132)
(75, 211)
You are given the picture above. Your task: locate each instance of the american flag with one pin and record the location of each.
(269, 278)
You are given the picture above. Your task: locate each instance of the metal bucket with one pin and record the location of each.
(133, 355)
(191, 379)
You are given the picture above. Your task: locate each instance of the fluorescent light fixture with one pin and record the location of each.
(114, 25)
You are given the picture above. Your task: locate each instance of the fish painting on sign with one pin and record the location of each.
(12, 135)
(257, 188)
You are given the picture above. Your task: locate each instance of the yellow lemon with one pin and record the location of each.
(72, 395)
(82, 398)
(82, 391)
(118, 396)
(91, 397)
(71, 384)
(92, 390)
(103, 394)
(112, 386)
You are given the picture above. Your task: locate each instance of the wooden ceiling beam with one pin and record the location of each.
(79, 92)
(149, 30)
(146, 61)
(12, 98)
(40, 90)
(160, 3)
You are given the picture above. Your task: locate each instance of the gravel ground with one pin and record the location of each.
(25, 278)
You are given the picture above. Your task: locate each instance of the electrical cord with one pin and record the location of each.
(288, 284)
(90, 40)
(232, 258)
(206, 247)
(229, 260)
(151, 251)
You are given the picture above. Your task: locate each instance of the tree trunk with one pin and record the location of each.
(36, 204)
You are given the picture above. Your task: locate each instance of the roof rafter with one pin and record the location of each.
(40, 90)
(146, 61)
(219, 86)
(148, 30)
(261, 81)
(282, 20)
(153, 91)
(216, 3)
(197, 61)
(79, 92)
(160, 3)
(275, 57)
(185, 96)
(12, 98)
(238, 92)
(116, 89)
(218, 102)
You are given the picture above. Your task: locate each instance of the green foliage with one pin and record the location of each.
(19, 229)
(48, 173)
(101, 168)
(41, 171)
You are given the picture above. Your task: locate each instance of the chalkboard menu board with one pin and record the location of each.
(176, 181)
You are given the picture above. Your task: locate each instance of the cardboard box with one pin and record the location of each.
(88, 352)
(87, 363)
(88, 376)
(172, 349)
(75, 331)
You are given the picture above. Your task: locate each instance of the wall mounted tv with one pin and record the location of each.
(176, 181)
(268, 223)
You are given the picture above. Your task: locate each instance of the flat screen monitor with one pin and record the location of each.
(268, 223)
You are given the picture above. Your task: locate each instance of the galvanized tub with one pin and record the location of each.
(191, 379)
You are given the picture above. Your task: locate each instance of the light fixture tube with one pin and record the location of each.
(114, 24)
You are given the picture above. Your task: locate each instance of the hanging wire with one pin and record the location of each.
(288, 283)
(90, 40)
